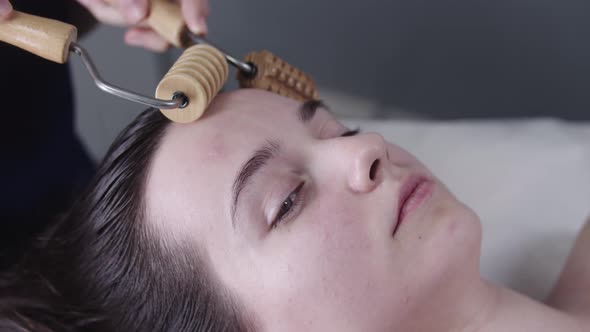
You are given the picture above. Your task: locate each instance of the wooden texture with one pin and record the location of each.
(44, 37)
(199, 73)
(276, 75)
(166, 18)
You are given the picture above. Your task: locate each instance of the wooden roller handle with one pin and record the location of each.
(44, 37)
(166, 19)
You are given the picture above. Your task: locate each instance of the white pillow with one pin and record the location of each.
(528, 180)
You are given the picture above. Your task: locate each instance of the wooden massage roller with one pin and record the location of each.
(278, 76)
(197, 75)
(192, 82)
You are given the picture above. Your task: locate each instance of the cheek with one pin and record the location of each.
(401, 157)
(333, 264)
(330, 246)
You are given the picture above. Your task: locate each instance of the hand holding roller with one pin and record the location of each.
(44, 37)
(200, 72)
(165, 17)
(190, 85)
(261, 70)
(192, 82)
(54, 40)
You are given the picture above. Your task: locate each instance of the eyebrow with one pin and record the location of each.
(265, 153)
(308, 109)
(257, 161)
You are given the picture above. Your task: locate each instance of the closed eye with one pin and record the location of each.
(289, 206)
(352, 132)
(293, 202)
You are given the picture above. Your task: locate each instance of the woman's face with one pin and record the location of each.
(301, 221)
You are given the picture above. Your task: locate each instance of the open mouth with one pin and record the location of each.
(414, 191)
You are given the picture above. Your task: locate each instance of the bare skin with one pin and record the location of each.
(333, 263)
(568, 306)
(572, 291)
(132, 13)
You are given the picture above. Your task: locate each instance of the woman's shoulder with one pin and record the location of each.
(571, 294)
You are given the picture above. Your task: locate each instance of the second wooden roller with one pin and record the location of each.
(277, 75)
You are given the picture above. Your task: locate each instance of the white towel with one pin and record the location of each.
(528, 180)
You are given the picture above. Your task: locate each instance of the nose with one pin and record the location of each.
(369, 156)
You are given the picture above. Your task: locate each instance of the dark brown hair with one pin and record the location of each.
(103, 268)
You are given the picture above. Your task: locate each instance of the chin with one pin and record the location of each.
(454, 245)
(462, 226)
(461, 237)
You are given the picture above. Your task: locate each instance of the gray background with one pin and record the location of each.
(434, 58)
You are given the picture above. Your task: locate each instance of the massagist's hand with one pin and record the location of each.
(131, 13)
(5, 9)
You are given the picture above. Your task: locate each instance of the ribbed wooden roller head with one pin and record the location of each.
(199, 73)
(276, 75)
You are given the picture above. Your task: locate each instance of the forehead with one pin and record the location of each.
(192, 171)
(231, 124)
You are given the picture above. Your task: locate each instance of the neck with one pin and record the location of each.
(512, 311)
(482, 306)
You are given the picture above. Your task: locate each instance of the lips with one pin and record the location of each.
(413, 192)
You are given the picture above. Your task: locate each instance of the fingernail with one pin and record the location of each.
(199, 26)
(134, 11)
(134, 14)
(5, 8)
(133, 40)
